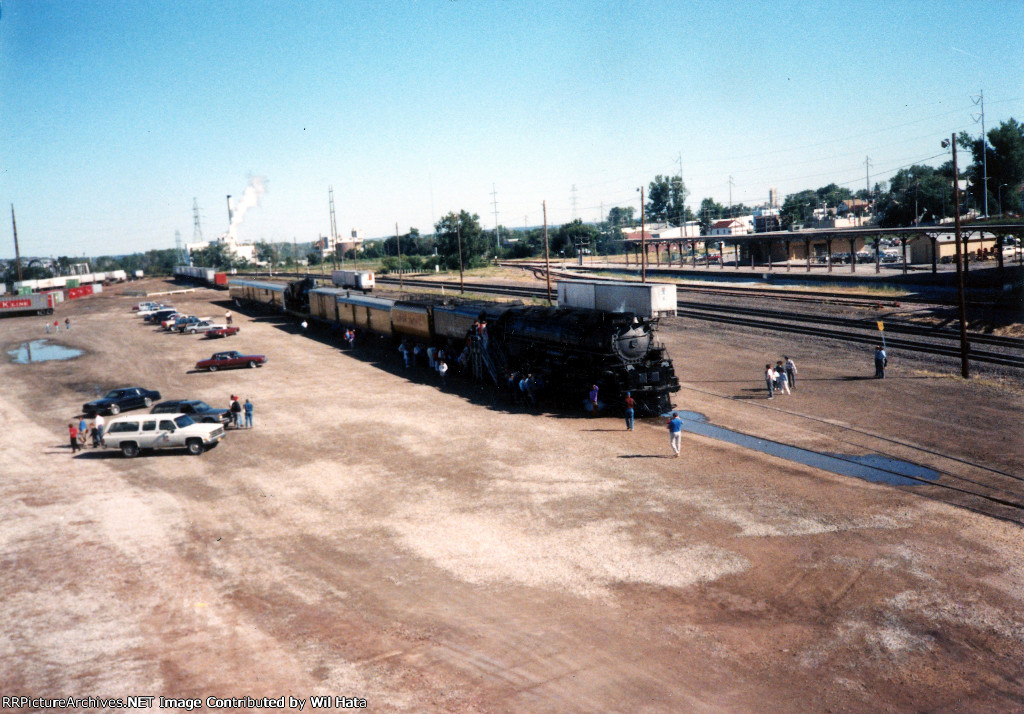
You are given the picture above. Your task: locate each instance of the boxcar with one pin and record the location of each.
(412, 319)
(368, 313)
(258, 291)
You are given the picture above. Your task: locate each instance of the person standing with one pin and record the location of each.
(769, 380)
(404, 349)
(675, 431)
(236, 409)
(47, 327)
(783, 380)
(67, 324)
(97, 424)
(880, 362)
(593, 400)
(442, 369)
(73, 434)
(83, 431)
(248, 413)
(791, 372)
(227, 317)
(630, 411)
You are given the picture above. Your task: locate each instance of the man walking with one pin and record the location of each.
(227, 317)
(236, 409)
(248, 413)
(880, 362)
(675, 430)
(630, 407)
(593, 400)
(791, 372)
(73, 434)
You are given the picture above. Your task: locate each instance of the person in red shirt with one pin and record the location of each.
(630, 407)
(73, 433)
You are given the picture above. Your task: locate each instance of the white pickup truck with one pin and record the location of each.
(131, 434)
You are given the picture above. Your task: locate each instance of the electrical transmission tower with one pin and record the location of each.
(497, 235)
(334, 227)
(980, 100)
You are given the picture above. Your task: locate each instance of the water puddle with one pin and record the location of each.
(870, 467)
(42, 351)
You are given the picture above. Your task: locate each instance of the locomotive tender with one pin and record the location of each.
(568, 349)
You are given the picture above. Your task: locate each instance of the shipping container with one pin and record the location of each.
(33, 304)
(641, 299)
(355, 279)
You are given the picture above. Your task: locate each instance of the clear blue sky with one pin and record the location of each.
(115, 114)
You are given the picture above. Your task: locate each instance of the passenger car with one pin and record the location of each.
(159, 316)
(204, 325)
(121, 399)
(131, 434)
(196, 408)
(185, 323)
(226, 360)
(222, 331)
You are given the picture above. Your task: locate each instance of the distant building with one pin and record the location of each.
(728, 227)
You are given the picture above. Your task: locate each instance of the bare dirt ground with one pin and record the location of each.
(432, 550)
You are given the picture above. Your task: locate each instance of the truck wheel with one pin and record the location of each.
(115, 409)
(252, 363)
(130, 449)
(194, 446)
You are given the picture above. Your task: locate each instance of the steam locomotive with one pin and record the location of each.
(567, 350)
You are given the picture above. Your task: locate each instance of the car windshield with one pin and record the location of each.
(184, 420)
(201, 406)
(114, 394)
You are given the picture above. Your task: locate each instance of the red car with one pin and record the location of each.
(227, 360)
(222, 331)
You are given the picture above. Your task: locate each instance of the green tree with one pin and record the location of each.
(619, 217)
(666, 199)
(709, 212)
(832, 195)
(567, 237)
(215, 255)
(916, 193)
(1005, 163)
(267, 253)
(448, 232)
(798, 207)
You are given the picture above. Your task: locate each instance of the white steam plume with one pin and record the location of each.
(250, 198)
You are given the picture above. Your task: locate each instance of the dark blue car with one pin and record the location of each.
(199, 410)
(122, 399)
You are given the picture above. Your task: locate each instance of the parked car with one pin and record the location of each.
(155, 318)
(170, 320)
(143, 306)
(122, 399)
(144, 314)
(223, 331)
(201, 326)
(182, 325)
(197, 409)
(226, 360)
(131, 434)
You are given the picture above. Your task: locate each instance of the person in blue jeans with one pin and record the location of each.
(630, 406)
(675, 430)
(248, 414)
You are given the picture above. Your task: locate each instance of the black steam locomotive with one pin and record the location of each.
(575, 348)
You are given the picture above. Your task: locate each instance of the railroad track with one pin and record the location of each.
(826, 327)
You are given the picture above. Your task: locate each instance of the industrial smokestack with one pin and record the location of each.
(229, 211)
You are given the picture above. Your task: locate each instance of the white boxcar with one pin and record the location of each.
(355, 279)
(118, 275)
(642, 299)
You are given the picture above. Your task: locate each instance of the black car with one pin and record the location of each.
(122, 399)
(159, 316)
(199, 410)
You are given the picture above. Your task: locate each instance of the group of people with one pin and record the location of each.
(242, 413)
(781, 377)
(524, 386)
(56, 325)
(437, 358)
(79, 433)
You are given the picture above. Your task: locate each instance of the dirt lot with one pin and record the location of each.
(432, 550)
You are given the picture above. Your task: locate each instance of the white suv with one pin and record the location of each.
(131, 434)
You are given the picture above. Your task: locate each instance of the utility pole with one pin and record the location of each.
(682, 202)
(17, 252)
(547, 258)
(867, 175)
(458, 234)
(965, 369)
(731, 184)
(497, 235)
(398, 245)
(984, 146)
(643, 240)
(574, 202)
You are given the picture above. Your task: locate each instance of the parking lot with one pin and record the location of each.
(434, 550)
